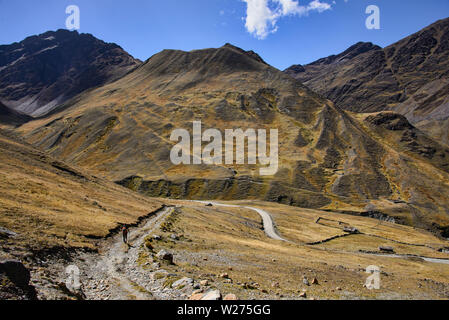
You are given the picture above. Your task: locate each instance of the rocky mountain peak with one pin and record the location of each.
(350, 53)
(42, 72)
(295, 69)
(409, 77)
(249, 53)
(205, 62)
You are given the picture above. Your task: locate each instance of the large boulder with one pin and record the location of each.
(16, 272)
(182, 283)
(15, 279)
(165, 255)
(230, 297)
(212, 295)
(306, 281)
(196, 296)
(174, 237)
(5, 233)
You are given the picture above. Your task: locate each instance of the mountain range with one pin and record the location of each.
(409, 77)
(356, 130)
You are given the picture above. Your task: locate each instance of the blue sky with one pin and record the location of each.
(296, 31)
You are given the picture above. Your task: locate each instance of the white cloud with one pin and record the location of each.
(318, 6)
(260, 20)
(263, 15)
(289, 7)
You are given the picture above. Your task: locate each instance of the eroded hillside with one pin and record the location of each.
(409, 77)
(328, 158)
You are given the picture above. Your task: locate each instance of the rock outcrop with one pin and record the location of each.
(15, 281)
(410, 77)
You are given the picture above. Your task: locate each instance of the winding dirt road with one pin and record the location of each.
(271, 232)
(268, 224)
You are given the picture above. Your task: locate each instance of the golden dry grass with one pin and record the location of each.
(50, 207)
(233, 237)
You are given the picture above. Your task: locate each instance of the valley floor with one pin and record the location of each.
(225, 248)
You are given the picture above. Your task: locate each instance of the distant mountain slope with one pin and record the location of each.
(410, 77)
(42, 72)
(328, 158)
(10, 117)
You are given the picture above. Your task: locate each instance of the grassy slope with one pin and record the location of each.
(48, 203)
